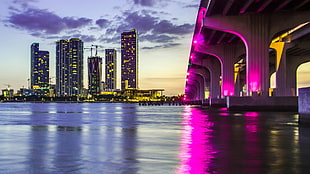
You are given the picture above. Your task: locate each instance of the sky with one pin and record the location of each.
(165, 30)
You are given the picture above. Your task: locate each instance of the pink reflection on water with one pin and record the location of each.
(253, 149)
(197, 151)
(223, 109)
(251, 114)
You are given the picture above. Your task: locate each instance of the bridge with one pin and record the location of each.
(238, 44)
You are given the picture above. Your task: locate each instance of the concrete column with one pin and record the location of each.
(204, 74)
(229, 60)
(256, 30)
(239, 80)
(200, 87)
(282, 88)
(257, 75)
(293, 62)
(190, 92)
(304, 105)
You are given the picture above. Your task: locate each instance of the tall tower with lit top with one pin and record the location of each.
(129, 58)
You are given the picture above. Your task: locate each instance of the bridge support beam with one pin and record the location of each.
(228, 55)
(214, 67)
(205, 75)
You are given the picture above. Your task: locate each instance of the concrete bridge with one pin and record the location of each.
(238, 44)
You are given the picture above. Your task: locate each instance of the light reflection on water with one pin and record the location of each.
(218, 141)
(131, 139)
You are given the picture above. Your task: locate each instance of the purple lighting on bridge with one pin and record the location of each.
(198, 39)
(228, 90)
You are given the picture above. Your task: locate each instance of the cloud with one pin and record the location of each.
(191, 6)
(84, 38)
(150, 28)
(140, 20)
(115, 39)
(160, 38)
(102, 23)
(166, 26)
(149, 3)
(168, 45)
(23, 3)
(40, 21)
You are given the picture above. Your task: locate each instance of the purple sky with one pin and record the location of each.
(165, 31)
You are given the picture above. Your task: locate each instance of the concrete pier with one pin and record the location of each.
(304, 105)
(262, 103)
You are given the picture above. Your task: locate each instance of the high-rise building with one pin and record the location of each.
(69, 67)
(94, 75)
(110, 69)
(129, 58)
(39, 68)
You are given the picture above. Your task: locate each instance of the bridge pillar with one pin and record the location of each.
(257, 73)
(256, 30)
(228, 56)
(282, 73)
(200, 86)
(214, 67)
(205, 75)
(191, 91)
(293, 62)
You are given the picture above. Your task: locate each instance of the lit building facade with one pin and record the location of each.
(69, 67)
(39, 69)
(110, 69)
(129, 58)
(94, 75)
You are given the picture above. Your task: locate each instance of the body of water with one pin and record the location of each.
(118, 138)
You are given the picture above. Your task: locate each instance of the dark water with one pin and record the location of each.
(130, 139)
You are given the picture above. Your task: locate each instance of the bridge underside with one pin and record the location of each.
(237, 45)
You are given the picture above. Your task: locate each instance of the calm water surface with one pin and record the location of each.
(131, 139)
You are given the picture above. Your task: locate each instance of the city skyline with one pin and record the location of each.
(165, 28)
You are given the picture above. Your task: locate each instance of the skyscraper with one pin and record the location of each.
(129, 58)
(69, 67)
(94, 75)
(39, 68)
(110, 69)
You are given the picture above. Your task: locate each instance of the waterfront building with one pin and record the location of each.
(110, 69)
(7, 93)
(94, 75)
(69, 67)
(39, 70)
(129, 60)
